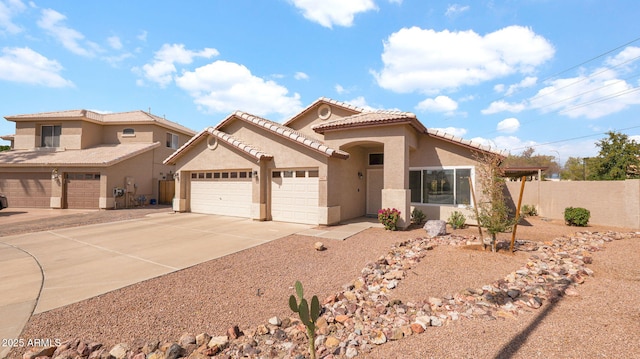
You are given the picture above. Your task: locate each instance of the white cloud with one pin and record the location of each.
(53, 22)
(591, 94)
(456, 9)
(114, 42)
(333, 12)
(301, 76)
(626, 56)
(339, 89)
(508, 125)
(24, 65)
(223, 86)
(162, 69)
(8, 9)
(503, 143)
(586, 97)
(398, 2)
(501, 105)
(456, 131)
(429, 61)
(361, 102)
(438, 104)
(528, 81)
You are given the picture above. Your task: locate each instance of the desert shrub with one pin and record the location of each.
(389, 218)
(457, 220)
(529, 210)
(417, 216)
(576, 216)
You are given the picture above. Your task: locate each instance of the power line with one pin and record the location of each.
(575, 138)
(597, 100)
(580, 64)
(583, 79)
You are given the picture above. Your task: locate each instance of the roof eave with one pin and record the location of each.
(401, 121)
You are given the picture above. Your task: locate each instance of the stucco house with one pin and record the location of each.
(331, 162)
(77, 158)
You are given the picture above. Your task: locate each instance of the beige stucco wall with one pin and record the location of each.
(434, 152)
(91, 134)
(25, 136)
(396, 141)
(346, 189)
(611, 203)
(304, 123)
(140, 169)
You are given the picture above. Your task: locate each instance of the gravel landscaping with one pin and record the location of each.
(597, 318)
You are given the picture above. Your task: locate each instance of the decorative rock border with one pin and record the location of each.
(361, 316)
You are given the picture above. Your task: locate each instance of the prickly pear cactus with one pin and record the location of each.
(308, 315)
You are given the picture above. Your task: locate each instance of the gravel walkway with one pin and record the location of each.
(247, 288)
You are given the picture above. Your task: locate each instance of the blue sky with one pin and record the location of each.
(546, 73)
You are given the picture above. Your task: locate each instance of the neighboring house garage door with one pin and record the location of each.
(83, 190)
(226, 193)
(294, 196)
(26, 189)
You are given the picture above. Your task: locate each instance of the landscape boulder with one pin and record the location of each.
(435, 227)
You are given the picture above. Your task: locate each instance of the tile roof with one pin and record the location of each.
(130, 117)
(287, 133)
(98, 156)
(371, 118)
(458, 140)
(329, 101)
(248, 149)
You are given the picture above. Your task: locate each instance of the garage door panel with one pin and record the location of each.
(295, 199)
(229, 198)
(82, 190)
(26, 189)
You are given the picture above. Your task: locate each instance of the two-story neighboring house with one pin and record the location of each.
(85, 159)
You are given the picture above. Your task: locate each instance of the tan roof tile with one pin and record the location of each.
(286, 132)
(371, 118)
(250, 150)
(459, 140)
(98, 156)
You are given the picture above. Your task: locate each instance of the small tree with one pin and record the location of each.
(618, 159)
(493, 212)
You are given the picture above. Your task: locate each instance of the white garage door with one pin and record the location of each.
(294, 196)
(226, 193)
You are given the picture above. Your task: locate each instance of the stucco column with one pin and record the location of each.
(259, 188)
(180, 196)
(396, 192)
(57, 180)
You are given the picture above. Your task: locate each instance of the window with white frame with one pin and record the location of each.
(172, 140)
(50, 136)
(440, 185)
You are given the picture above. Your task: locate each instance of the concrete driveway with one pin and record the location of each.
(46, 270)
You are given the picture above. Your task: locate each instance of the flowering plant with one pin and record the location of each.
(389, 218)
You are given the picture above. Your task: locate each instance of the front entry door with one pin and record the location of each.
(375, 183)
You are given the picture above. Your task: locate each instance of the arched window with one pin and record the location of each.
(128, 132)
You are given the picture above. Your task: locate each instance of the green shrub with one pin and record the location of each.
(457, 220)
(576, 216)
(389, 218)
(417, 216)
(528, 211)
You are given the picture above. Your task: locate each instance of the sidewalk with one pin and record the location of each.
(21, 281)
